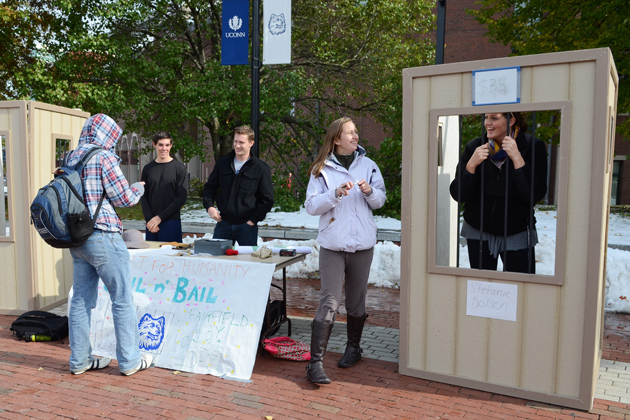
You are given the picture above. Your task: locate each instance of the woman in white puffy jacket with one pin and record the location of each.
(344, 187)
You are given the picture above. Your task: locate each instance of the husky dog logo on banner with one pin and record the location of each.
(235, 23)
(277, 32)
(277, 24)
(151, 332)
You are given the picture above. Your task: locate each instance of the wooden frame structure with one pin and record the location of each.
(551, 352)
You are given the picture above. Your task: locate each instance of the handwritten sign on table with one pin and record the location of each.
(491, 300)
(496, 86)
(200, 315)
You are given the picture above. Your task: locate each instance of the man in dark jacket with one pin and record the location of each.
(240, 183)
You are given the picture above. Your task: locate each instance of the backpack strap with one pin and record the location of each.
(79, 167)
(41, 314)
(98, 209)
(86, 157)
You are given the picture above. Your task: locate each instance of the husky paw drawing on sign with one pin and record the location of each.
(151, 332)
(277, 24)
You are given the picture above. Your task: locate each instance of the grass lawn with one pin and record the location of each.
(135, 212)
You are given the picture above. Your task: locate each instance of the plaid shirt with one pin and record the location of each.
(102, 173)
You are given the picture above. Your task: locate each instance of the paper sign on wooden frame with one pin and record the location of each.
(491, 300)
(496, 86)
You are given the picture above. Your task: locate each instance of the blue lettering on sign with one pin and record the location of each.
(193, 294)
(138, 289)
(180, 293)
(211, 299)
(182, 282)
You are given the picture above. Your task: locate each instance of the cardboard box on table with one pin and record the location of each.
(551, 351)
(212, 246)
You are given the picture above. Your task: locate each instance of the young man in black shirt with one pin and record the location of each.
(241, 185)
(166, 189)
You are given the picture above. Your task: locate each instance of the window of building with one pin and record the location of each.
(614, 189)
(62, 148)
(5, 203)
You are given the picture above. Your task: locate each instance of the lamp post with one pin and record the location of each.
(441, 23)
(255, 76)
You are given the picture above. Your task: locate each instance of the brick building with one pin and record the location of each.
(465, 41)
(464, 38)
(620, 193)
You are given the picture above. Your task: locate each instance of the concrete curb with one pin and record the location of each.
(275, 232)
(295, 234)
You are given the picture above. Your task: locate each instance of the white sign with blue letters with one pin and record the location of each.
(195, 314)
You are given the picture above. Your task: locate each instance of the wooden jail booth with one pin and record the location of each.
(35, 138)
(532, 336)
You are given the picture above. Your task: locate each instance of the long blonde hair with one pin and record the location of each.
(334, 132)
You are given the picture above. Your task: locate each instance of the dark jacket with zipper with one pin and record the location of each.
(519, 187)
(240, 197)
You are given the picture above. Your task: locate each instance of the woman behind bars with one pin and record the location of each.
(344, 187)
(498, 175)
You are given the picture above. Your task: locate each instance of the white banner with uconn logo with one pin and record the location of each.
(277, 32)
(195, 314)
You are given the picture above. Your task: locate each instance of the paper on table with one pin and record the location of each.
(274, 249)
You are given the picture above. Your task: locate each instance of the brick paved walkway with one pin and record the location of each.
(35, 384)
(303, 294)
(616, 342)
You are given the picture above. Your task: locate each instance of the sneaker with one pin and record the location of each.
(145, 363)
(97, 363)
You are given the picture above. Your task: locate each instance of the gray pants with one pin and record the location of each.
(332, 267)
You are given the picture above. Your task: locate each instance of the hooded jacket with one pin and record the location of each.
(102, 173)
(522, 194)
(346, 224)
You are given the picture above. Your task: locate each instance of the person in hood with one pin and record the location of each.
(502, 173)
(344, 187)
(241, 185)
(104, 255)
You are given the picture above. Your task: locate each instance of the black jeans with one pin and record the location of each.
(244, 234)
(170, 231)
(514, 261)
